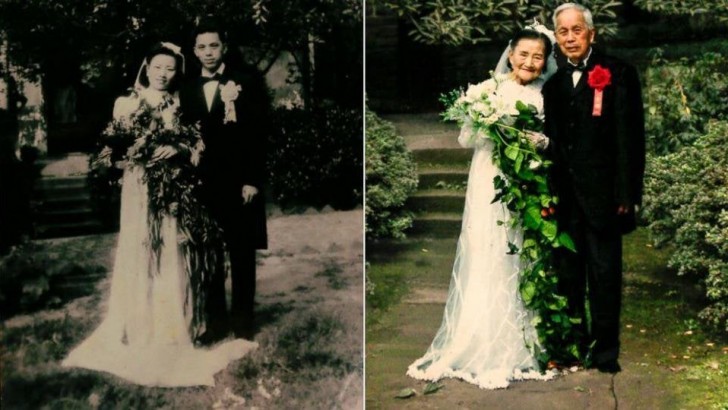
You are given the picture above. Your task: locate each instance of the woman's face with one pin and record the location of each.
(160, 71)
(527, 59)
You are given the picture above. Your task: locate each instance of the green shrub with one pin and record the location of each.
(681, 97)
(686, 202)
(315, 158)
(391, 176)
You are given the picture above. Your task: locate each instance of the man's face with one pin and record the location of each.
(209, 49)
(573, 35)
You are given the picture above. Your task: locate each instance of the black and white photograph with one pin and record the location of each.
(181, 204)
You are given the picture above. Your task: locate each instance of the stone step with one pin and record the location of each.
(72, 183)
(68, 200)
(88, 226)
(441, 225)
(442, 178)
(437, 201)
(443, 157)
(66, 215)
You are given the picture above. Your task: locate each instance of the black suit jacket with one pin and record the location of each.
(598, 160)
(235, 153)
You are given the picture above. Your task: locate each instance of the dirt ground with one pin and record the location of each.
(310, 308)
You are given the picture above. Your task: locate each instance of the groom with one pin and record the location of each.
(595, 121)
(231, 107)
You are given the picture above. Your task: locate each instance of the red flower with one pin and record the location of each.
(599, 77)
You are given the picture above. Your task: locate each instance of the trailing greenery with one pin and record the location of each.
(391, 177)
(681, 97)
(525, 191)
(686, 202)
(456, 22)
(315, 157)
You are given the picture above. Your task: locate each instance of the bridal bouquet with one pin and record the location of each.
(170, 182)
(524, 189)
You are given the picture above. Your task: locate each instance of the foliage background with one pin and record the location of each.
(391, 177)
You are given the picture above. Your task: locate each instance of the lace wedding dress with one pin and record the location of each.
(145, 337)
(486, 337)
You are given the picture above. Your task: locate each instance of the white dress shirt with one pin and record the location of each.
(211, 86)
(576, 75)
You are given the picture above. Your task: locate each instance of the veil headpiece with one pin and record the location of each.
(177, 50)
(549, 68)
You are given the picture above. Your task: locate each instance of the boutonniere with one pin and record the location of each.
(228, 94)
(599, 78)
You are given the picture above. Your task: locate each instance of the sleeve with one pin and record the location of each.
(257, 108)
(124, 106)
(630, 138)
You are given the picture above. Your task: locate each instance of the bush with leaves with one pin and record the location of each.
(681, 96)
(315, 157)
(457, 22)
(391, 177)
(686, 200)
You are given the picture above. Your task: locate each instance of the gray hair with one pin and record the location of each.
(584, 12)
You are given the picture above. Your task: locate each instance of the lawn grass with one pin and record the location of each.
(666, 355)
(309, 353)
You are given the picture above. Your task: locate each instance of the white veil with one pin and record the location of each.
(549, 68)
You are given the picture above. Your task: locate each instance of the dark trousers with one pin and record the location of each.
(597, 266)
(241, 254)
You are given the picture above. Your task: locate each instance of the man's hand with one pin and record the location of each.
(249, 192)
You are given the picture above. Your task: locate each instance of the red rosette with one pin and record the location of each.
(599, 77)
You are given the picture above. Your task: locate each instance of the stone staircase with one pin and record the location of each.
(443, 173)
(62, 199)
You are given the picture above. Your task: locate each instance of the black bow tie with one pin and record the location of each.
(570, 68)
(215, 77)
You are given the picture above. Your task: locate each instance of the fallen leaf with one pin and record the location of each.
(677, 368)
(714, 365)
(432, 387)
(643, 330)
(579, 389)
(709, 344)
(406, 393)
(574, 369)
(688, 333)
(425, 250)
(686, 357)
(551, 365)
(628, 326)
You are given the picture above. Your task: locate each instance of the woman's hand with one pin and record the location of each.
(539, 140)
(163, 152)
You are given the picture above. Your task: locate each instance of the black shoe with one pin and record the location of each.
(610, 366)
(207, 339)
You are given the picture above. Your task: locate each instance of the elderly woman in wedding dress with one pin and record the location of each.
(486, 337)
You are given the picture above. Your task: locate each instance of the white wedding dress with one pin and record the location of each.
(144, 337)
(486, 337)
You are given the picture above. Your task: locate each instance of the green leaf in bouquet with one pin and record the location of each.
(511, 152)
(528, 290)
(548, 229)
(566, 241)
(532, 217)
(519, 162)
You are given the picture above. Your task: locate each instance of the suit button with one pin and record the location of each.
(571, 124)
(570, 147)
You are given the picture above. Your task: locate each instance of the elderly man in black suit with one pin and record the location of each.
(595, 122)
(232, 109)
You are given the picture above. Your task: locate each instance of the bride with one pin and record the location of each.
(486, 337)
(152, 318)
